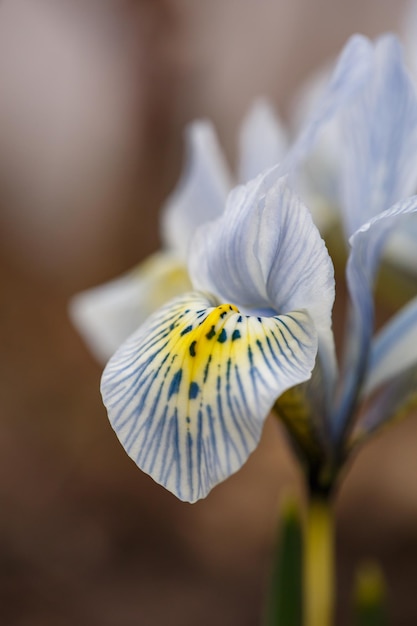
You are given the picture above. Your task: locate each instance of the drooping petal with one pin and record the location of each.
(188, 393)
(266, 254)
(394, 349)
(201, 194)
(366, 249)
(106, 315)
(379, 138)
(262, 142)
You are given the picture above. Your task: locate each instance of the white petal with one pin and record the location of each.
(262, 142)
(379, 138)
(265, 254)
(201, 194)
(188, 393)
(367, 247)
(394, 348)
(106, 315)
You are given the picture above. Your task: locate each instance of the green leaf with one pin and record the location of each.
(285, 598)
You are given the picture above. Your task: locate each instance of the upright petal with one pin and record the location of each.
(402, 248)
(394, 349)
(188, 393)
(263, 141)
(409, 34)
(201, 194)
(106, 315)
(318, 177)
(266, 255)
(366, 248)
(379, 138)
(351, 72)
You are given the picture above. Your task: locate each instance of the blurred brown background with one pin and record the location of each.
(94, 97)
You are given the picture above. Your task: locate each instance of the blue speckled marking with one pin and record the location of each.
(175, 384)
(194, 391)
(236, 334)
(222, 336)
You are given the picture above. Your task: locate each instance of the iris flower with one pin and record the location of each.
(190, 389)
(188, 393)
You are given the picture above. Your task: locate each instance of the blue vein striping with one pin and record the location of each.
(152, 376)
(158, 440)
(147, 386)
(190, 465)
(199, 444)
(232, 410)
(228, 440)
(213, 439)
(246, 413)
(168, 451)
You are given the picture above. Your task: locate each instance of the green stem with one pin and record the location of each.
(284, 606)
(319, 564)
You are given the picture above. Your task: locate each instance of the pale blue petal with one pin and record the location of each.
(379, 138)
(409, 34)
(106, 315)
(394, 349)
(394, 402)
(366, 249)
(266, 255)
(189, 392)
(201, 194)
(263, 141)
(310, 94)
(317, 180)
(401, 247)
(351, 72)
